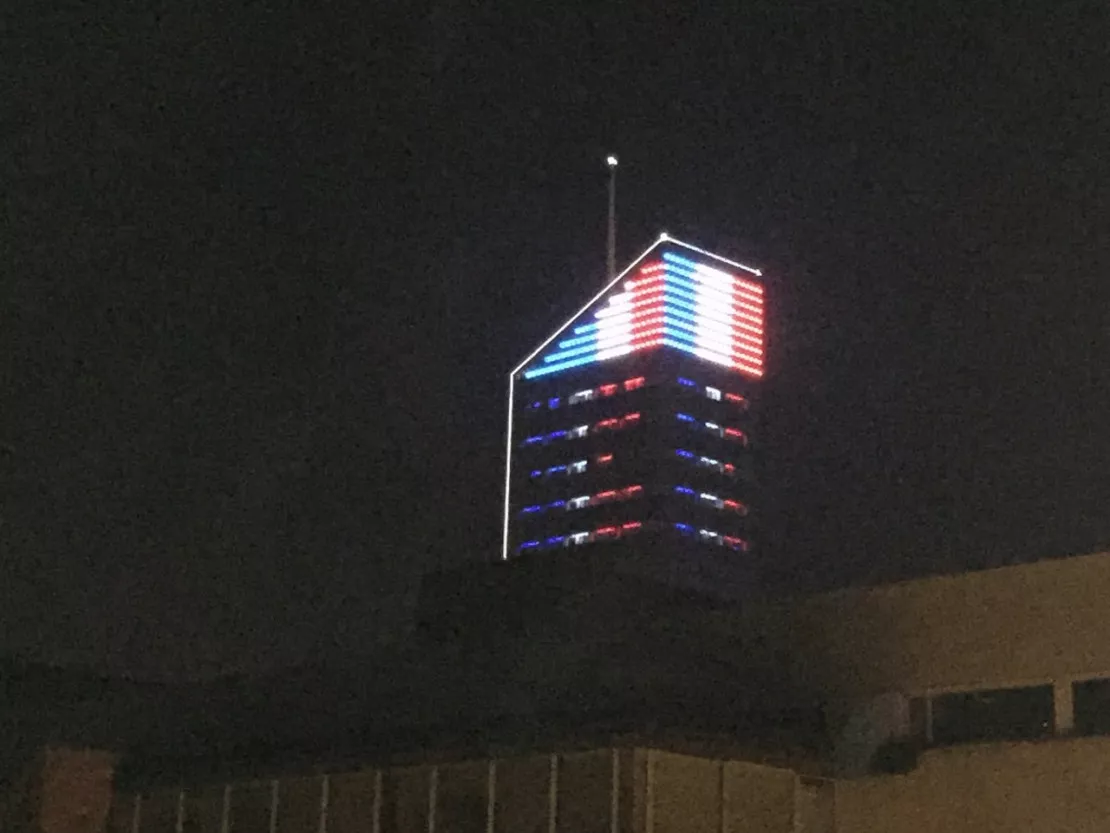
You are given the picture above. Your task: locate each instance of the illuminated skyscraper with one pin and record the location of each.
(630, 426)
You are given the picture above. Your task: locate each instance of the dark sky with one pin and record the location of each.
(264, 272)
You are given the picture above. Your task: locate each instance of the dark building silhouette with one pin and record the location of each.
(631, 427)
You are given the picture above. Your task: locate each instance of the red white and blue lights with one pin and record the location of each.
(675, 302)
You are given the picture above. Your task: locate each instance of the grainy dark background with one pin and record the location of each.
(265, 268)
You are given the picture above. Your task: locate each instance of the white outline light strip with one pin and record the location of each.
(663, 238)
(508, 474)
(587, 305)
(667, 238)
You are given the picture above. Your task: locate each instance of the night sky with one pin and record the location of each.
(264, 272)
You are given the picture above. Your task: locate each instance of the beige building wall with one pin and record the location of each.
(75, 791)
(598, 791)
(1047, 787)
(702, 795)
(1026, 625)
(1030, 624)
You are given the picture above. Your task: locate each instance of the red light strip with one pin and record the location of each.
(725, 298)
(625, 494)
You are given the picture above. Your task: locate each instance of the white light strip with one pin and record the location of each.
(586, 307)
(669, 239)
(508, 473)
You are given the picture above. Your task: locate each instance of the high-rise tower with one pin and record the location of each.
(630, 427)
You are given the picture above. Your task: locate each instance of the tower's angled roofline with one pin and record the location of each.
(663, 238)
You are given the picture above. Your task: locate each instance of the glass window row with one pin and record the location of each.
(713, 501)
(620, 423)
(614, 532)
(1008, 714)
(719, 466)
(575, 467)
(613, 388)
(705, 499)
(582, 501)
(578, 431)
(588, 394)
(714, 428)
(716, 394)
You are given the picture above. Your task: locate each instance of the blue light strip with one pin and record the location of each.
(572, 342)
(555, 368)
(698, 292)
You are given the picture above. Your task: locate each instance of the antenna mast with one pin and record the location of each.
(611, 161)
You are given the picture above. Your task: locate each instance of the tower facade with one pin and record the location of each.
(630, 427)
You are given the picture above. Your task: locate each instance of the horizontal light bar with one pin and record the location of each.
(731, 289)
(670, 257)
(572, 342)
(672, 289)
(713, 315)
(719, 356)
(712, 357)
(707, 338)
(715, 325)
(727, 294)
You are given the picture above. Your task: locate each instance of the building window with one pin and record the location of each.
(579, 431)
(1091, 700)
(582, 501)
(574, 539)
(724, 432)
(712, 537)
(727, 469)
(716, 394)
(1001, 714)
(714, 501)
